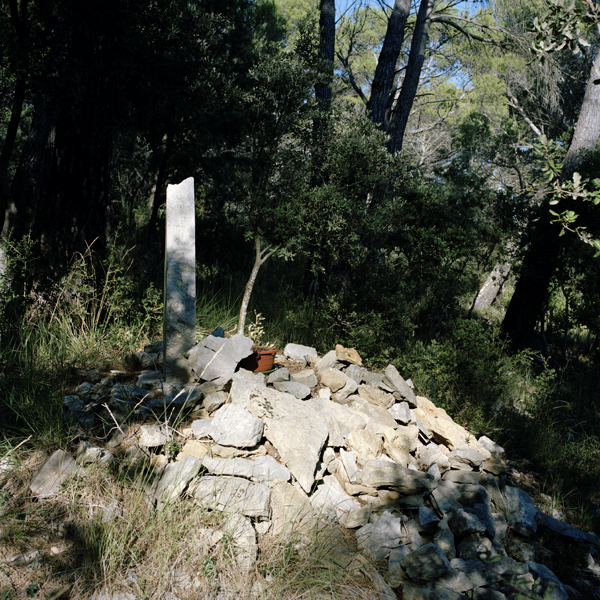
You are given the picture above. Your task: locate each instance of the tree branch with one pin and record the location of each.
(464, 31)
(512, 101)
(353, 83)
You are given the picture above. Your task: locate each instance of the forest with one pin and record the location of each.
(420, 175)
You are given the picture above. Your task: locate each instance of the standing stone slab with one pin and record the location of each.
(292, 427)
(261, 469)
(179, 318)
(175, 478)
(54, 472)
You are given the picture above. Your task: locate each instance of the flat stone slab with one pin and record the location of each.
(306, 377)
(521, 515)
(299, 390)
(243, 383)
(383, 473)
(291, 510)
(371, 412)
(152, 436)
(54, 472)
(233, 425)
(262, 469)
(292, 427)
(298, 352)
(376, 396)
(176, 477)
(232, 494)
(376, 540)
(396, 382)
(426, 564)
(402, 413)
(243, 537)
(339, 419)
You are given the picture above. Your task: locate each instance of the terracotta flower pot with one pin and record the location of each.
(263, 359)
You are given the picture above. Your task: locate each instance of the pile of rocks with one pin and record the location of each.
(324, 439)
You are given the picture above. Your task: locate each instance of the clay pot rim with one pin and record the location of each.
(264, 349)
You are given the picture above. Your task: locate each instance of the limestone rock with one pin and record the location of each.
(522, 515)
(376, 396)
(176, 477)
(407, 436)
(291, 510)
(366, 444)
(235, 426)
(296, 432)
(232, 495)
(349, 355)
(402, 413)
(356, 373)
(376, 540)
(262, 469)
(154, 435)
(339, 419)
(243, 383)
(332, 501)
(395, 381)
(383, 473)
(428, 563)
(547, 583)
(444, 431)
(282, 374)
(54, 472)
(243, 537)
(299, 390)
(371, 412)
(332, 378)
(465, 458)
(300, 353)
(329, 361)
(306, 377)
(214, 357)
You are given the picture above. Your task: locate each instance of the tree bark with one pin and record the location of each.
(383, 88)
(260, 258)
(541, 258)
(412, 75)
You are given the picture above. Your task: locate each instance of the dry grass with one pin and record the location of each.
(100, 535)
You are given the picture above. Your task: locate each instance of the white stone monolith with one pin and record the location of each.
(179, 319)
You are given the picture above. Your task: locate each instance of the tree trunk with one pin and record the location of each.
(383, 88)
(410, 85)
(260, 258)
(326, 49)
(541, 258)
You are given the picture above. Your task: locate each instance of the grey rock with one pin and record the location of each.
(154, 435)
(329, 361)
(298, 352)
(565, 530)
(481, 593)
(291, 510)
(54, 472)
(332, 378)
(154, 347)
(395, 380)
(214, 357)
(233, 425)
(522, 515)
(483, 512)
(445, 497)
(339, 419)
(371, 412)
(426, 564)
(408, 436)
(213, 402)
(243, 537)
(462, 477)
(261, 469)
(477, 571)
(232, 495)
(306, 377)
(395, 573)
(490, 483)
(150, 379)
(175, 479)
(201, 428)
(356, 373)
(243, 383)
(462, 523)
(456, 581)
(402, 413)
(444, 539)
(383, 473)
(376, 540)
(349, 463)
(87, 454)
(292, 427)
(431, 454)
(330, 500)
(427, 518)
(367, 444)
(299, 390)
(547, 583)
(349, 388)
(490, 446)
(465, 458)
(376, 396)
(282, 374)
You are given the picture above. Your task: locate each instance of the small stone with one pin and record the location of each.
(152, 436)
(235, 426)
(299, 390)
(306, 377)
(333, 379)
(300, 353)
(425, 564)
(282, 374)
